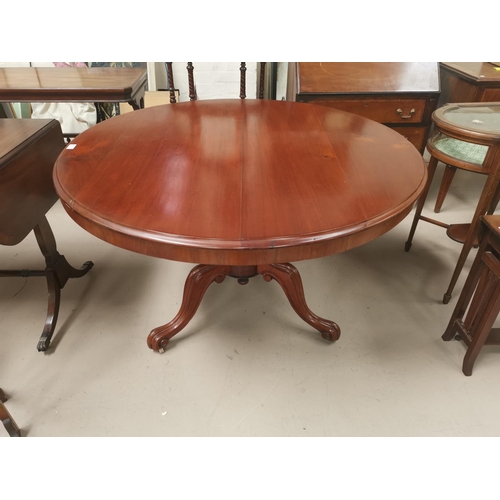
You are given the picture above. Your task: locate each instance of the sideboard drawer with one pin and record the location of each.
(416, 135)
(401, 95)
(380, 110)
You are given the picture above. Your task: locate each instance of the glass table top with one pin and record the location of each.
(483, 117)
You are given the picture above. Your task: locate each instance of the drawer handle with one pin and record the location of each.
(399, 111)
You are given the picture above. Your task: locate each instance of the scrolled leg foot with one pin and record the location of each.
(197, 282)
(289, 279)
(78, 273)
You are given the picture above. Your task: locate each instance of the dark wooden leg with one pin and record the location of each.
(6, 418)
(485, 309)
(494, 201)
(485, 202)
(288, 277)
(135, 105)
(431, 169)
(467, 292)
(197, 283)
(445, 186)
(54, 301)
(58, 271)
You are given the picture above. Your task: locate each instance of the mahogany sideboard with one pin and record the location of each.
(399, 95)
(469, 82)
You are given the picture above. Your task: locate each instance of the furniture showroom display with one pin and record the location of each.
(399, 95)
(240, 187)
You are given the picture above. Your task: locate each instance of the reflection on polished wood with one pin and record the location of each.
(401, 95)
(241, 186)
(73, 85)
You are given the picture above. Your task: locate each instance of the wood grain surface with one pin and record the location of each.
(70, 84)
(239, 182)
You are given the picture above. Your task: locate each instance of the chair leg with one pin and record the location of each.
(448, 175)
(6, 418)
(431, 169)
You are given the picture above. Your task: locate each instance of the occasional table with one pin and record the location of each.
(466, 136)
(73, 85)
(242, 187)
(28, 151)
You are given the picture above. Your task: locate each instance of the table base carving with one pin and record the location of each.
(202, 276)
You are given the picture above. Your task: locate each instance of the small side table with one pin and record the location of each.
(480, 297)
(28, 151)
(466, 136)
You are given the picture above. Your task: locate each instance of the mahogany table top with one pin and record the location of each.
(15, 133)
(239, 182)
(70, 84)
(28, 150)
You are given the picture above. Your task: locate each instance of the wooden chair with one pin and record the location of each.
(480, 297)
(466, 136)
(192, 88)
(6, 418)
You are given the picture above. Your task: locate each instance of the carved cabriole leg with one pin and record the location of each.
(197, 283)
(288, 277)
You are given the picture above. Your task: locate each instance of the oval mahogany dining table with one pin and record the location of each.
(240, 187)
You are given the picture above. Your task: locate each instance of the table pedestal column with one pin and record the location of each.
(202, 276)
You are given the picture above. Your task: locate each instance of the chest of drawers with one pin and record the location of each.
(399, 95)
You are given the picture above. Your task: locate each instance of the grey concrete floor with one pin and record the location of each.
(247, 365)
